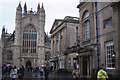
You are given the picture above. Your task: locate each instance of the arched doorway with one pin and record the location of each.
(28, 64)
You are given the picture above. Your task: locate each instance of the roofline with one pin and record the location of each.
(63, 20)
(54, 24)
(80, 4)
(63, 23)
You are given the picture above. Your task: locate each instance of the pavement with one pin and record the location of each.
(52, 76)
(55, 76)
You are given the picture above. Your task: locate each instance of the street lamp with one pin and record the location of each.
(77, 54)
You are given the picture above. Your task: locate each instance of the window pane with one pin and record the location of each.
(108, 22)
(24, 36)
(86, 14)
(23, 43)
(87, 30)
(31, 51)
(32, 36)
(35, 44)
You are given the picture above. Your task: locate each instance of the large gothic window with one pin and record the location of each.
(29, 40)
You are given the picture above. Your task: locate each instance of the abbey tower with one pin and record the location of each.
(29, 43)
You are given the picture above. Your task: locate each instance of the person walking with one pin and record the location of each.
(9, 69)
(4, 72)
(102, 74)
(76, 74)
(13, 73)
(42, 73)
(21, 73)
(36, 71)
(46, 69)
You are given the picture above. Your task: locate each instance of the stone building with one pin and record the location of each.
(29, 43)
(0, 53)
(7, 41)
(87, 53)
(0, 59)
(109, 40)
(63, 35)
(99, 37)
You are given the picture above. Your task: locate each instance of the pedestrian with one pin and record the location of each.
(4, 71)
(76, 74)
(46, 69)
(102, 74)
(42, 73)
(13, 73)
(31, 68)
(28, 68)
(9, 69)
(51, 69)
(36, 71)
(21, 73)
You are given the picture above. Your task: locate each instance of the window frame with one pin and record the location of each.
(86, 14)
(10, 56)
(109, 49)
(58, 43)
(107, 21)
(85, 18)
(87, 30)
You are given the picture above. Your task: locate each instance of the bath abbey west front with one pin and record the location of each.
(28, 44)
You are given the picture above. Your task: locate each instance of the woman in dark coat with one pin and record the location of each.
(21, 73)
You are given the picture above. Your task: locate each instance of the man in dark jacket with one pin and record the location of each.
(46, 69)
(21, 73)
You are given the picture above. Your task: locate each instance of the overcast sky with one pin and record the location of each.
(55, 9)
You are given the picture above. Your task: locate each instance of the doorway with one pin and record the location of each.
(84, 62)
(28, 64)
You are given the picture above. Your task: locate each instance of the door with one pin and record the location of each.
(28, 64)
(84, 62)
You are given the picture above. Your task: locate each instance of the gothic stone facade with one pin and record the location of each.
(29, 43)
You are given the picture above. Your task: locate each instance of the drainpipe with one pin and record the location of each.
(97, 36)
